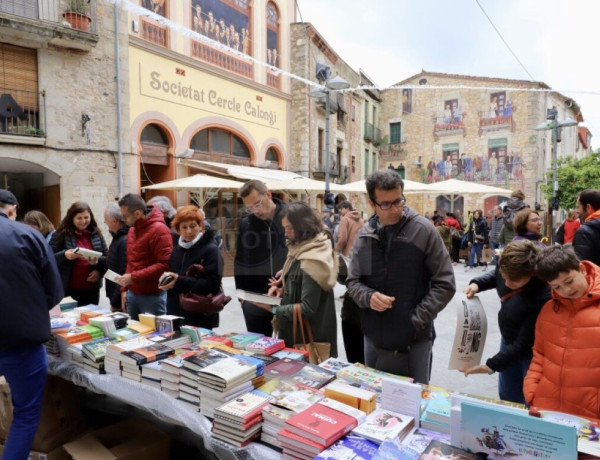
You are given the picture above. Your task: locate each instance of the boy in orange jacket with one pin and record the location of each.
(564, 374)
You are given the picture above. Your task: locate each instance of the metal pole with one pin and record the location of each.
(554, 180)
(118, 91)
(326, 144)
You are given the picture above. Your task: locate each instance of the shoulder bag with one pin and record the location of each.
(205, 304)
(317, 351)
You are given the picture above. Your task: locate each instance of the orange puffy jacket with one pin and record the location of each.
(564, 374)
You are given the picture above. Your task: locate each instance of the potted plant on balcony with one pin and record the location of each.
(77, 14)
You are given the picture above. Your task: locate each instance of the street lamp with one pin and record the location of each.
(334, 84)
(556, 127)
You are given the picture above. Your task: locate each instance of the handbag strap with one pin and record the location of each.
(297, 321)
(505, 297)
(304, 325)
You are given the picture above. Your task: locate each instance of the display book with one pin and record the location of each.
(230, 372)
(255, 297)
(238, 421)
(320, 425)
(588, 431)
(87, 254)
(501, 432)
(307, 374)
(266, 346)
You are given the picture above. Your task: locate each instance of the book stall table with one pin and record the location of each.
(160, 405)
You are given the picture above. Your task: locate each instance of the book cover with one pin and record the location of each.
(290, 395)
(401, 396)
(140, 328)
(313, 376)
(218, 338)
(243, 408)
(87, 254)
(291, 353)
(256, 297)
(501, 433)
(437, 449)
(201, 359)
(227, 371)
(358, 398)
(290, 439)
(383, 424)
(266, 345)
(96, 349)
(367, 376)
(350, 447)
(168, 323)
(139, 356)
(333, 364)
(284, 367)
(243, 339)
(321, 424)
(588, 432)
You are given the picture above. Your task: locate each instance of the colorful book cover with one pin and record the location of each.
(139, 356)
(243, 407)
(284, 367)
(500, 434)
(290, 395)
(367, 376)
(96, 349)
(243, 339)
(321, 423)
(313, 376)
(382, 424)
(588, 432)
(201, 359)
(333, 364)
(291, 353)
(437, 449)
(218, 338)
(350, 447)
(266, 345)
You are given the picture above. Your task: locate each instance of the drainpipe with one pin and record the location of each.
(118, 76)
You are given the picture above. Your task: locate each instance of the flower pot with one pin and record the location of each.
(78, 21)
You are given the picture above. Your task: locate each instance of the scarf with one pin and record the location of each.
(594, 215)
(317, 260)
(188, 244)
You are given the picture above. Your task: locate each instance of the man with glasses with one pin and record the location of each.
(401, 276)
(260, 251)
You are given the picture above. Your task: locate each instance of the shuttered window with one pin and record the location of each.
(19, 75)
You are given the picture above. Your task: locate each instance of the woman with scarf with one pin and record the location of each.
(528, 226)
(196, 245)
(81, 277)
(308, 277)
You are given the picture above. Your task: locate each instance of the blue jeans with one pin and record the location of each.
(475, 248)
(418, 359)
(146, 303)
(25, 372)
(493, 247)
(510, 380)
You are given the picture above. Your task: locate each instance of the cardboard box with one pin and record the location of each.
(57, 454)
(60, 421)
(131, 439)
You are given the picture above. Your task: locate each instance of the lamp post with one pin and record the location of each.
(555, 126)
(334, 84)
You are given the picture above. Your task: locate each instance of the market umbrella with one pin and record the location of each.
(197, 183)
(301, 184)
(463, 187)
(360, 187)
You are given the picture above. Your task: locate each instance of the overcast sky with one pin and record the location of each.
(556, 41)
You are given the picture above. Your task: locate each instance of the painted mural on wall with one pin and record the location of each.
(156, 6)
(225, 21)
(272, 35)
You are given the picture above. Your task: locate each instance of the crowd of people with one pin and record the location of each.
(549, 295)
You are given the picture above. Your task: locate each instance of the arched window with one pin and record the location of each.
(155, 145)
(272, 157)
(218, 141)
(153, 134)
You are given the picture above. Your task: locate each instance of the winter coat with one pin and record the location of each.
(511, 209)
(30, 285)
(149, 247)
(495, 228)
(260, 251)
(318, 306)
(564, 374)
(478, 227)
(570, 228)
(61, 242)
(533, 237)
(349, 226)
(516, 317)
(587, 241)
(117, 262)
(204, 252)
(408, 261)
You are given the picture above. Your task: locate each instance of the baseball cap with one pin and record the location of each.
(7, 197)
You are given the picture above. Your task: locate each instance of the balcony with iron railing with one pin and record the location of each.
(62, 23)
(449, 125)
(319, 170)
(495, 122)
(222, 59)
(22, 116)
(372, 133)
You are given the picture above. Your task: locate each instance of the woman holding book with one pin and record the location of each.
(196, 246)
(81, 276)
(522, 296)
(308, 277)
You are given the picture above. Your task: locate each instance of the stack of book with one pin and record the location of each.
(180, 373)
(150, 374)
(287, 398)
(266, 346)
(140, 328)
(218, 338)
(112, 363)
(238, 421)
(168, 323)
(196, 333)
(291, 353)
(355, 447)
(173, 339)
(316, 428)
(132, 360)
(366, 377)
(110, 323)
(78, 334)
(437, 409)
(359, 398)
(306, 374)
(243, 339)
(221, 381)
(94, 353)
(383, 424)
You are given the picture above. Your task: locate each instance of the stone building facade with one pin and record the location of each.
(443, 126)
(58, 114)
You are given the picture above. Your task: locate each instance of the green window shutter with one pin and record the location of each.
(395, 133)
(495, 143)
(450, 147)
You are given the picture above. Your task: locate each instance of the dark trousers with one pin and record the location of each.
(455, 248)
(353, 342)
(84, 296)
(257, 319)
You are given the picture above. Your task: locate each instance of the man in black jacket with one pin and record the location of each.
(587, 237)
(117, 252)
(260, 251)
(30, 286)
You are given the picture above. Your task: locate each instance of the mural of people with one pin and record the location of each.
(156, 6)
(220, 22)
(447, 114)
(448, 167)
(431, 168)
(494, 107)
(508, 109)
(457, 114)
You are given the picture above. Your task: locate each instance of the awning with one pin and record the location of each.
(240, 172)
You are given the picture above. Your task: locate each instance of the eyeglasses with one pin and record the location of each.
(256, 206)
(386, 205)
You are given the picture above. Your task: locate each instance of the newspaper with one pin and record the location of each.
(469, 338)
